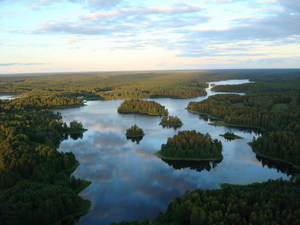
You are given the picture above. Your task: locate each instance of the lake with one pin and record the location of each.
(129, 182)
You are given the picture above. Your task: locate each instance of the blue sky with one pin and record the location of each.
(118, 35)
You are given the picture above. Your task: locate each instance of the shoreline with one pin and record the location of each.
(187, 159)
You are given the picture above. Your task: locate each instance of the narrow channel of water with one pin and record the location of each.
(129, 182)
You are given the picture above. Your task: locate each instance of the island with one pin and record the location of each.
(170, 121)
(230, 136)
(135, 133)
(191, 145)
(151, 108)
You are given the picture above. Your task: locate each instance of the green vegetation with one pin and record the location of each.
(134, 132)
(36, 186)
(170, 121)
(120, 85)
(281, 125)
(143, 107)
(35, 179)
(190, 145)
(233, 88)
(230, 136)
(272, 202)
(38, 102)
(282, 146)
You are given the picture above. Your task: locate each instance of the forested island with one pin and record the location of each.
(135, 133)
(170, 121)
(272, 202)
(36, 186)
(191, 145)
(143, 107)
(230, 136)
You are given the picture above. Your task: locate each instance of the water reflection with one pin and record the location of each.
(135, 139)
(191, 164)
(279, 166)
(129, 182)
(175, 127)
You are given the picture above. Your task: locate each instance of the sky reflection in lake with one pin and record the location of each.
(128, 181)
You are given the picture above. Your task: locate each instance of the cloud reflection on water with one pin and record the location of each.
(128, 181)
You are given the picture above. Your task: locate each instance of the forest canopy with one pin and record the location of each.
(143, 107)
(191, 145)
(36, 186)
(276, 114)
(170, 121)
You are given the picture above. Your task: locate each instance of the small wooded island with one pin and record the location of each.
(151, 108)
(190, 145)
(230, 136)
(134, 132)
(170, 121)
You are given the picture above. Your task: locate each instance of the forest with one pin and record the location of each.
(277, 114)
(191, 145)
(170, 121)
(109, 85)
(151, 108)
(31, 166)
(39, 102)
(271, 202)
(36, 186)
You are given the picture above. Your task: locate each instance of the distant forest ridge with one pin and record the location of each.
(133, 85)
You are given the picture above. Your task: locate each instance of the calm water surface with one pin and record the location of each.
(129, 182)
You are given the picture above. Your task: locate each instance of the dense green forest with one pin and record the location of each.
(142, 107)
(276, 113)
(121, 85)
(272, 202)
(38, 102)
(36, 186)
(170, 121)
(190, 145)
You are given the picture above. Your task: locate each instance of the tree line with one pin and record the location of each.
(38, 102)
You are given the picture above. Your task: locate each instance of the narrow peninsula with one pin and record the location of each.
(191, 145)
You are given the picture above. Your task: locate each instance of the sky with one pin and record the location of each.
(127, 35)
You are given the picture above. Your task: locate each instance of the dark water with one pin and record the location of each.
(129, 182)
